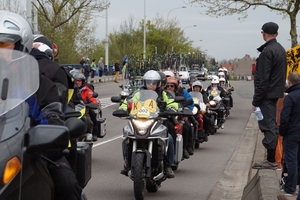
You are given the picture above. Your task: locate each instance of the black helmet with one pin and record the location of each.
(163, 78)
(192, 78)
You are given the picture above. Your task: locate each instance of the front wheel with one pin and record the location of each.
(138, 177)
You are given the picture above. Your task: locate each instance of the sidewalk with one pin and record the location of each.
(267, 180)
(103, 79)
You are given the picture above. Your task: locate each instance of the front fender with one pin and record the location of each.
(147, 161)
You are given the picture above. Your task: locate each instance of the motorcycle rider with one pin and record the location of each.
(46, 105)
(215, 86)
(172, 85)
(152, 81)
(86, 94)
(197, 87)
(192, 79)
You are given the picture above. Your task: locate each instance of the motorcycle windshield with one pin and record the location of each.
(144, 104)
(19, 78)
(197, 97)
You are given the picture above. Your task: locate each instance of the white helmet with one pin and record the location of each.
(16, 28)
(221, 74)
(152, 77)
(169, 74)
(221, 70)
(225, 69)
(222, 79)
(215, 79)
(197, 83)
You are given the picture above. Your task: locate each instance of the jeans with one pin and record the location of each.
(291, 146)
(100, 73)
(169, 158)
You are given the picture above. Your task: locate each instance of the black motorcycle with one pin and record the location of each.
(23, 166)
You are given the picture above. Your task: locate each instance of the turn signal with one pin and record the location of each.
(12, 167)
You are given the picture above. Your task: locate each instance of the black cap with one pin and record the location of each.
(270, 28)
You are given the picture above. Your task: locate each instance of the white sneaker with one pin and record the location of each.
(89, 136)
(222, 126)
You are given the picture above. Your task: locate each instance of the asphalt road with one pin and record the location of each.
(195, 178)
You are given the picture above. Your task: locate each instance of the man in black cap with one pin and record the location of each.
(269, 85)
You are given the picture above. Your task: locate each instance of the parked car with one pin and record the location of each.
(199, 72)
(183, 74)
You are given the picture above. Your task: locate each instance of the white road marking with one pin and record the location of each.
(105, 102)
(106, 141)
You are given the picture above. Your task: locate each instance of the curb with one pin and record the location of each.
(236, 172)
(102, 79)
(263, 184)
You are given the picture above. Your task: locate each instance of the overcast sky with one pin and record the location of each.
(223, 38)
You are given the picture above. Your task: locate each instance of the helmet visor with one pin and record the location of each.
(152, 82)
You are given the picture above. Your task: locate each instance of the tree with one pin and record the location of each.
(59, 12)
(287, 8)
(12, 6)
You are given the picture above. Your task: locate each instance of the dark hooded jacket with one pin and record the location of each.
(289, 117)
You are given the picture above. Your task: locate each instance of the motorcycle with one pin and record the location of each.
(216, 110)
(198, 112)
(145, 140)
(23, 165)
(228, 100)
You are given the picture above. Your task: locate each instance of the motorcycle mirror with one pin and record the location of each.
(76, 127)
(120, 113)
(95, 94)
(211, 98)
(232, 89)
(115, 99)
(121, 86)
(91, 106)
(47, 138)
(179, 99)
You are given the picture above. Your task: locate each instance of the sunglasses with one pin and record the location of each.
(7, 43)
(169, 86)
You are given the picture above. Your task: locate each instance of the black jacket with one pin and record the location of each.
(289, 117)
(270, 73)
(54, 81)
(117, 67)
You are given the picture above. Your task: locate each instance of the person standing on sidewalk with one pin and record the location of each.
(290, 130)
(269, 85)
(101, 67)
(117, 71)
(124, 71)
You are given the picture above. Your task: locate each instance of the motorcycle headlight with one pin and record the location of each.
(212, 103)
(142, 125)
(195, 110)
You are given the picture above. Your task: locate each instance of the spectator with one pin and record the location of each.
(269, 85)
(117, 71)
(101, 67)
(93, 68)
(289, 129)
(124, 71)
(87, 70)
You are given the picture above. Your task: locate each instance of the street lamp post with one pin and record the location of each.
(190, 27)
(106, 38)
(174, 9)
(144, 51)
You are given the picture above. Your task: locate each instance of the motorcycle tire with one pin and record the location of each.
(138, 177)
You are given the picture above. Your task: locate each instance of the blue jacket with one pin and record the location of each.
(187, 96)
(289, 117)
